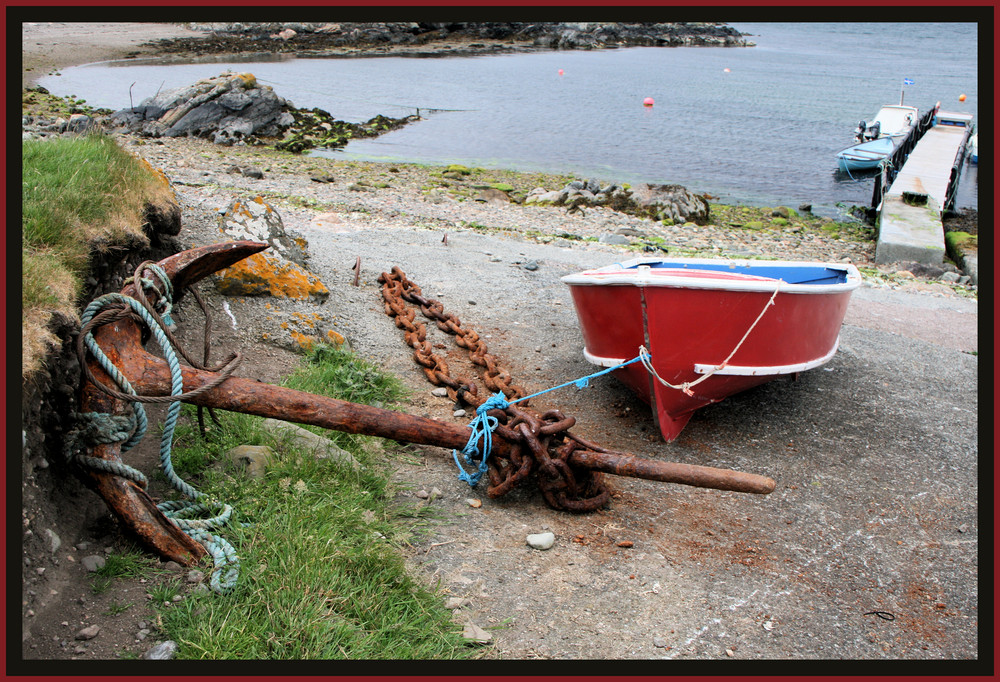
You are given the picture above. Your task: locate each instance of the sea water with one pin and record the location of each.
(758, 125)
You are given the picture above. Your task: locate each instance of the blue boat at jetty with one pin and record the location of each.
(877, 139)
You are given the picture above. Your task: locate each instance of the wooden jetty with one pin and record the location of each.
(910, 213)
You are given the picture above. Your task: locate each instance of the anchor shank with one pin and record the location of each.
(266, 400)
(623, 464)
(249, 396)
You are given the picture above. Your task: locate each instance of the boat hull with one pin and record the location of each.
(691, 314)
(866, 156)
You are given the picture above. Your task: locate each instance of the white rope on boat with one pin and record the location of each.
(685, 387)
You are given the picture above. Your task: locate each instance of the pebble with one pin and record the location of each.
(161, 652)
(659, 642)
(541, 540)
(194, 576)
(93, 563)
(453, 603)
(89, 632)
(440, 393)
(54, 542)
(474, 503)
(422, 494)
(475, 633)
(458, 413)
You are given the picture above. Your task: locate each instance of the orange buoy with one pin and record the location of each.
(725, 70)
(961, 98)
(560, 72)
(648, 102)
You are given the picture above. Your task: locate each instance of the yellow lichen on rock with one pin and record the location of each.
(249, 80)
(304, 340)
(157, 173)
(261, 274)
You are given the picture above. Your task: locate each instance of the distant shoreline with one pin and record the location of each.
(50, 46)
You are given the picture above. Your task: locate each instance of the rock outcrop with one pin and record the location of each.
(472, 37)
(227, 109)
(233, 109)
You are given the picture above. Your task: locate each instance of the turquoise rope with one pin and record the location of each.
(582, 382)
(484, 425)
(178, 512)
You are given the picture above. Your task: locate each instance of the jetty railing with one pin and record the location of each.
(956, 171)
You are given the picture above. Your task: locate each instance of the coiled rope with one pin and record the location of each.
(96, 427)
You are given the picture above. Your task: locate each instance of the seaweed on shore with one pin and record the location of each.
(317, 128)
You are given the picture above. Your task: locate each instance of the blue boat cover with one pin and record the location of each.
(792, 274)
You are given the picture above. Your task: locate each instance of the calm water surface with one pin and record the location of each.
(757, 125)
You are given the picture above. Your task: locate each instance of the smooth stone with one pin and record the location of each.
(161, 652)
(541, 540)
(475, 633)
(92, 563)
(88, 632)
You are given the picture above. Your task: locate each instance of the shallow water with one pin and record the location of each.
(757, 125)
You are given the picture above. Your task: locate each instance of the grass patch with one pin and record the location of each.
(117, 608)
(956, 241)
(131, 564)
(322, 575)
(77, 195)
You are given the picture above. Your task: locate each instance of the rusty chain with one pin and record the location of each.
(544, 444)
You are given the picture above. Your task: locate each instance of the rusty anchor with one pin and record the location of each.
(122, 338)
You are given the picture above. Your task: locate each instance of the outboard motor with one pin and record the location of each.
(859, 132)
(873, 131)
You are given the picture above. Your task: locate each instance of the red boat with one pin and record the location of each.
(708, 328)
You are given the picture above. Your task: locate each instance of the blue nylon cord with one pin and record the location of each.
(483, 425)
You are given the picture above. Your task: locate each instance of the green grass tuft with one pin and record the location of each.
(322, 575)
(77, 194)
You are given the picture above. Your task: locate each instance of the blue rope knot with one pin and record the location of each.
(483, 426)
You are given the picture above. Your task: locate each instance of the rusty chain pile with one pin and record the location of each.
(544, 444)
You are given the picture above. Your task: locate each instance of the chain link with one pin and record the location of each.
(543, 442)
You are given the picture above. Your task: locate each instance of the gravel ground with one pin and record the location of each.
(867, 550)
(863, 450)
